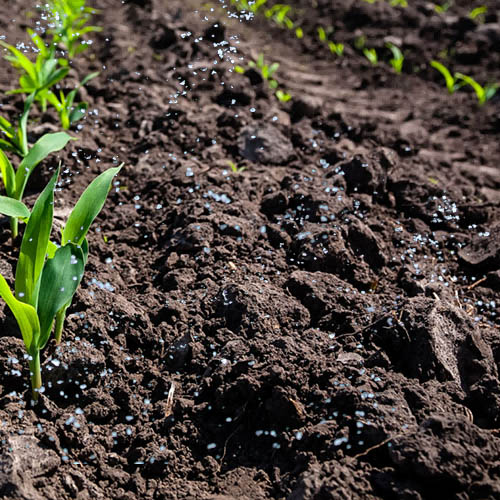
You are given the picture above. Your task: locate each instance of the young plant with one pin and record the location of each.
(48, 275)
(397, 57)
(15, 180)
(69, 20)
(336, 48)
(371, 55)
(234, 168)
(278, 13)
(283, 96)
(64, 104)
(449, 78)
(478, 12)
(36, 77)
(15, 139)
(267, 72)
(483, 93)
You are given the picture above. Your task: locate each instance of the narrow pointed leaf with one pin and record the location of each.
(21, 60)
(25, 315)
(47, 144)
(13, 208)
(59, 281)
(8, 174)
(34, 245)
(88, 207)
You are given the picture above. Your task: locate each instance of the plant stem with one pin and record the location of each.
(36, 374)
(14, 227)
(60, 317)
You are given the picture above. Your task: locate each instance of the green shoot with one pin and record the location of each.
(15, 140)
(450, 80)
(440, 9)
(299, 33)
(399, 3)
(397, 57)
(69, 20)
(267, 71)
(64, 105)
(234, 168)
(36, 78)
(323, 37)
(371, 55)
(483, 93)
(478, 11)
(283, 96)
(15, 180)
(48, 275)
(336, 48)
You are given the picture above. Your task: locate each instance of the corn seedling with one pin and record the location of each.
(278, 13)
(449, 78)
(336, 48)
(283, 96)
(478, 13)
(267, 71)
(36, 77)
(397, 59)
(371, 55)
(15, 180)
(483, 93)
(323, 35)
(399, 3)
(234, 168)
(440, 9)
(69, 19)
(15, 139)
(64, 104)
(48, 275)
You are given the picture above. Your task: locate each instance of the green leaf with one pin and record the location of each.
(22, 135)
(88, 207)
(34, 245)
(13, 208)
(60, 278)
(25, 315)
(8, 174)
(78, 113)
(21, 60)
(49, 143)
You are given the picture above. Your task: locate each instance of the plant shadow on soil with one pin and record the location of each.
(323, 324)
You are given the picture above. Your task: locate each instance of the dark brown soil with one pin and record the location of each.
(323, 324)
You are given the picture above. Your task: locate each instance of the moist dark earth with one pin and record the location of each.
(322, 324)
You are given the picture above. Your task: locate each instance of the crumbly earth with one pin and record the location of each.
(320, 325)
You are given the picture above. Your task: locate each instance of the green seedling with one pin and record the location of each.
(249, 6)
(483, 93)
(64, 104)
(397, 59)
(299, 33)
(15, 139)
(399, 3)
(15, 180)
(449, 79)
(69, 19)
(283, 96)
(267, 71)
(39, 76)
(48, 275)
(440, 9)
(322, 34)
(371, 55)
(278, 13)
(478, 12)
(234, 168)
(336, 48)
